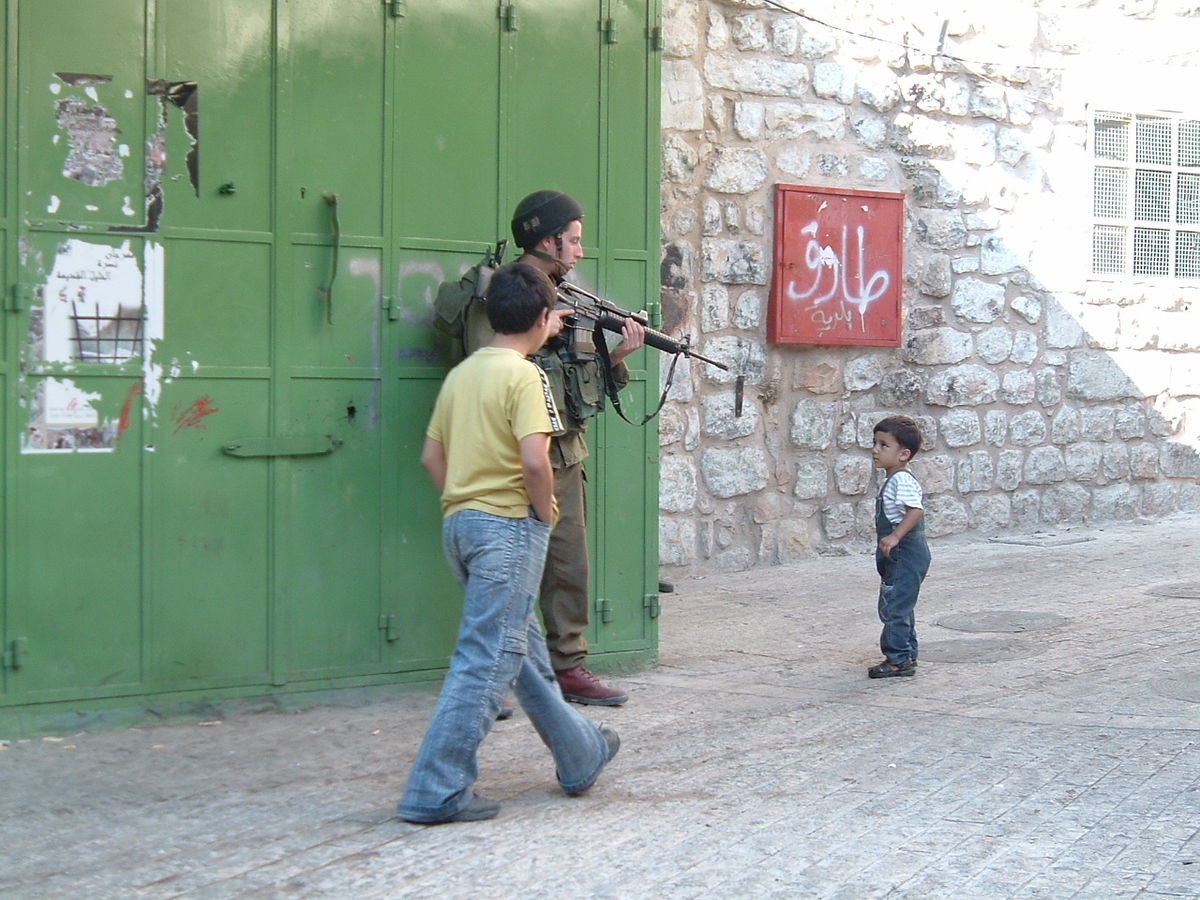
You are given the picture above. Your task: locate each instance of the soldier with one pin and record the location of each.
(548, 227)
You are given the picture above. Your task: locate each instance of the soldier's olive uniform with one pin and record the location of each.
(579, 394)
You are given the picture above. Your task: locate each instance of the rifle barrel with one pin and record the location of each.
(611, 318)
(657, 340)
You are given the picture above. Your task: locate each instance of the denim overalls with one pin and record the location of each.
(901, 575)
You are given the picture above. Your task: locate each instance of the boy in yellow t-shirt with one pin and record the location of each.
(486, 449)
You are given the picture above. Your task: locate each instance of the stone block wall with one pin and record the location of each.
(1046, 398)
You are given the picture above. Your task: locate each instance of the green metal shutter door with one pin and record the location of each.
(202, 544)
(332, 146)
(210, 514)
(445, 181)
(75, 591)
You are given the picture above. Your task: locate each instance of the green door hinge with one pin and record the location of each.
(387, 624)
(14, 654)
(508, 16)
(651, 605)
(604, 610)
(609, 29)
(397, 9)
(656, 38)
(393, 308)
(18, 294)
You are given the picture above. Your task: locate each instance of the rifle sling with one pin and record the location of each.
(610, 382)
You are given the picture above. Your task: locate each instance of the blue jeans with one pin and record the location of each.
(901, 575)
(498, 561)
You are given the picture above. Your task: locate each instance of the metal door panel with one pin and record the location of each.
(218, 56)
(80, 543)
(626, 533)
(632, 149)
(331, 200)
(332, 115)
(217, 308)
(418, 273)
(5, 251)
(421, 601)
(78, 492)
(83, 110)
(4, 120)
(7, 635)
(210, 533)
(447, 90)
(330, 535)
(351, 341)
(5, 316)
(553, 117)
(622, 536)
(418, 590)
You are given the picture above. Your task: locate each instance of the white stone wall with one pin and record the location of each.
(1047, 398)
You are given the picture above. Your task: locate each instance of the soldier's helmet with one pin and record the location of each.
(543, 214)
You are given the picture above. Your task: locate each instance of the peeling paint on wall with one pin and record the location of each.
(186, 96)
(92, 159)
(63, 419)
(154, 292)
(99, 305)
(82, 79)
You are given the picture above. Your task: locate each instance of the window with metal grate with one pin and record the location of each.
(1145, 194)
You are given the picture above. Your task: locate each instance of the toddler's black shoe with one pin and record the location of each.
(892, 670)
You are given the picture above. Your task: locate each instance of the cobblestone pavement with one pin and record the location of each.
(1052, 755)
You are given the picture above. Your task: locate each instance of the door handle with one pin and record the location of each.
(327, 292)
(284, 445)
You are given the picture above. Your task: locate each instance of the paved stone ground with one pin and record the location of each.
(758, 760)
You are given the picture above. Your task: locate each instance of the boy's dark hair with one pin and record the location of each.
(516, 298)
(904, 430)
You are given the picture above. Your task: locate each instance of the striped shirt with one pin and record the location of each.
(900, 492)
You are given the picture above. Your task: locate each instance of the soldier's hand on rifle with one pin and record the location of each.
(556, 320)
(633, 337)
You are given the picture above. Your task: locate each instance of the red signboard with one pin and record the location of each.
(838, 267)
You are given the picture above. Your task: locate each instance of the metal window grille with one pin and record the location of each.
(1187, 200)
(108, 338)
(1145, 194)
(1189, 144)
(1111, 136)
(1110, 192)
(1151, 247)
(1153, 141)
(1187, 254)
(1108, 250)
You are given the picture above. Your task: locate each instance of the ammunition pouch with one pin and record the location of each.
(585, 390)
(577, 387)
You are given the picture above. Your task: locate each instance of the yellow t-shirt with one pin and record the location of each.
(487, 404)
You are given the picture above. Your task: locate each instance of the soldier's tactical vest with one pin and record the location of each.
(577, 384)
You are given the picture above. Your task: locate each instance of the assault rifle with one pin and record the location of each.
(591, 312)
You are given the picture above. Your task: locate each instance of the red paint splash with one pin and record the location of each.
(194, 415)
(123, 422)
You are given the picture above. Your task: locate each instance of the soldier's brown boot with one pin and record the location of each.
(578, 685)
